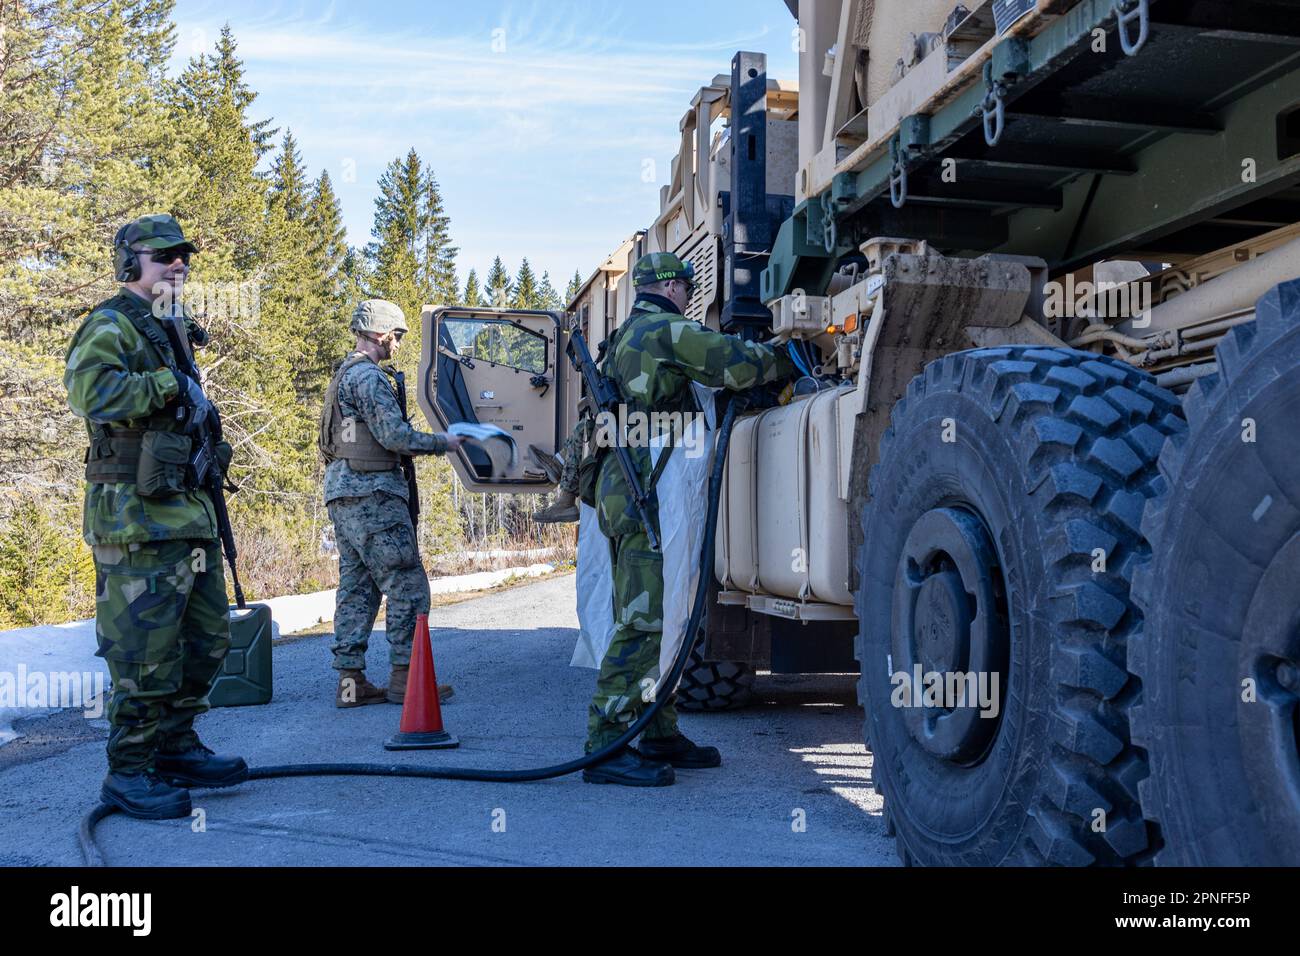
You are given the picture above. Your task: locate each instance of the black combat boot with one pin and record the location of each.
(200, 767)
(630, 769)
(680, 752)
(144, 796)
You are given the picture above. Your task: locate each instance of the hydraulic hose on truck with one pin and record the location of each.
(86, 831)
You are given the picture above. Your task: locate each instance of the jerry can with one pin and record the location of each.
(245, 676)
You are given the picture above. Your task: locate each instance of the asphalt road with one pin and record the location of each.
(793, 788)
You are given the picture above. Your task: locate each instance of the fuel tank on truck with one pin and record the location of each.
(782, 520)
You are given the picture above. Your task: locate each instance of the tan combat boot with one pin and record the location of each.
(550, 464)
(397, 686)
(563, 509)
(355, 691)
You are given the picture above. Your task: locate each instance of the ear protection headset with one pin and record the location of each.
(126, 261)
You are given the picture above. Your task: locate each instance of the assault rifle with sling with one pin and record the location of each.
(206, 472)
(604, 392)
(408, 462)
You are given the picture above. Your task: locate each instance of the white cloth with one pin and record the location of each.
(681, 490)
(595, 586)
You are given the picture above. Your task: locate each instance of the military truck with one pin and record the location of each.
(1039, 481)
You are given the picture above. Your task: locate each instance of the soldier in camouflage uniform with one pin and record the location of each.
(160, 598)
(563, 470)
(654, 357)
(367, 441)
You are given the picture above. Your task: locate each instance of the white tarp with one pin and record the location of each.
(682, 489)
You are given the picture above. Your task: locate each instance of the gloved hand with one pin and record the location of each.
(192, 397)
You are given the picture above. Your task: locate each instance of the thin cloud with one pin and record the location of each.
(540, 149)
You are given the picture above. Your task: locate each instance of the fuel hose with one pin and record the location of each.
(86, 830)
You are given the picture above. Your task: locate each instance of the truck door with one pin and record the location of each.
(495, 367)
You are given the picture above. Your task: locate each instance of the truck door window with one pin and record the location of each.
(497, 341)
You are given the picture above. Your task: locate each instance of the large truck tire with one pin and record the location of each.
(1219, 651)
(1002, 530)
(714, 685)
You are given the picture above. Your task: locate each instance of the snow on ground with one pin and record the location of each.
(54, 665)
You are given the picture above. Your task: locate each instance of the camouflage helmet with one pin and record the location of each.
(379, 316)
(660, 267)
(153, 232)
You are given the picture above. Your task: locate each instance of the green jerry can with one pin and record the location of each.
(245, 676)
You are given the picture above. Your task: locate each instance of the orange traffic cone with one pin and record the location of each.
(421, 727)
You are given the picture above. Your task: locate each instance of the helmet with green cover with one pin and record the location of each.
(660, 267)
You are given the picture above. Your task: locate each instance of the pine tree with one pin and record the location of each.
(325, 226)
(412, 259)
(499, 289)
(47, 574)
(325, 334)
(547, 297)
(78, 112)
(438, 254)
(304, 293)
(289, 180)
(227, 65)
(574, 287)
(472, 295)
(399, 216)
(92, 134)
(251, 273)
(526, 293)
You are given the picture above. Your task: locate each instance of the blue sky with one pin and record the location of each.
(538, 118)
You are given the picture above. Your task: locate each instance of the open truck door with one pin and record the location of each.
(495, 367)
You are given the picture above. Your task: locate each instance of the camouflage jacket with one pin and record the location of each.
(655, 357)
(117, 377)
(367, 392)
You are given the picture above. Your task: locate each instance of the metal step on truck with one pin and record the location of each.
(1039, 482)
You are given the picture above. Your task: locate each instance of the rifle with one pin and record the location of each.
(604, 392)
(408, 463)
(205, 468)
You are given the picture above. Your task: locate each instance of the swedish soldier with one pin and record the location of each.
(367, 440)
(654, 357)
(161, 617)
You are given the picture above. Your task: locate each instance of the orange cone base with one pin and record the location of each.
(432, 740)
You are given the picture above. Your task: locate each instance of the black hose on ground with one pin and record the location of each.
(86, 831)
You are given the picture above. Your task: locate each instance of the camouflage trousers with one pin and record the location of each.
(571, 453)
(378, 557)
(621, 696)
(163, 627)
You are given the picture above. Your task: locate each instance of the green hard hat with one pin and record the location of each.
(153, 232)
(660, 267)
(379, 316)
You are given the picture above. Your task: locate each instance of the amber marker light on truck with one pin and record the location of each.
(850, 324)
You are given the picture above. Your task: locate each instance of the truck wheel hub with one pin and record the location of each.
(950, 635)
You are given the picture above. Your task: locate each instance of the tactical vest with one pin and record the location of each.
(361, 450)
(114, 452)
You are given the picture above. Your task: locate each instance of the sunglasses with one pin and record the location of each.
(168, 256)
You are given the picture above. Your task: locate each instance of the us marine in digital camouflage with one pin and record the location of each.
(654, 357)
(367, 441)
(563, 469)
(160, 592)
